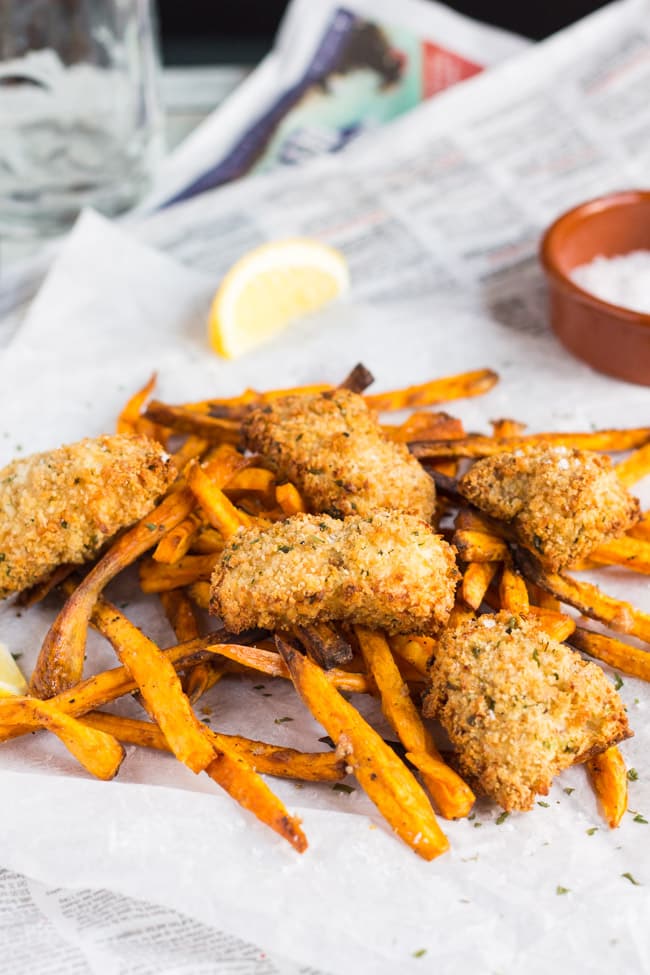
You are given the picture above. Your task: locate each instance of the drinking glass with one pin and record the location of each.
(80, 113)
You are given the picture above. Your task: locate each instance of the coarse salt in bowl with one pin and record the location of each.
(597, 262)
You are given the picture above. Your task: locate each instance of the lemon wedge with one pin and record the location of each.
(12, 682)
(269, 288)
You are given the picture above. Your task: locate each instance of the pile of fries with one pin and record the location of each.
(220, 490)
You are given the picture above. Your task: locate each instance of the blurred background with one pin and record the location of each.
(195, 32)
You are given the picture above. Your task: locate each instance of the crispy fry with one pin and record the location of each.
(386, 780)
(99, 753)
(426, 426)
(178, 541)
(192, 449)
(199, 593)
(478, 446)
(513, 594)
(358, 379)
(290, 500)
(622, 656)
(634, 467)
(127, 421)
(476, 581)
(237, 407)
(220, 512)
(629, 553)
(158, 577)
(179, 612)
(542, 598)
(60, 663)
(507, 428)
(452, 796)
(165, 701)
(558, 626)
(95, 692)
(271, 663)
(476, 521)
(642, 528)
(479, 547)
(202, 676)
(324, 645)
(183, 420)
(33, 595)
(608, 777)
(588, 599)
(416, 650)
(255, 479)
(284, 763)
(436, 391)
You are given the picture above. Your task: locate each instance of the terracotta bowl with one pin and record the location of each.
(609, 338)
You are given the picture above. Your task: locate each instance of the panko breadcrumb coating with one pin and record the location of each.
(561, 502)
(332, 448)
(62, 506)
(520, 707)
(388, 571)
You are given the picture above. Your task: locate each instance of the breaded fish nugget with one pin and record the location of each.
(561, 502)
(62, 506)
(520, 707)
(332, 448)
(388, 571)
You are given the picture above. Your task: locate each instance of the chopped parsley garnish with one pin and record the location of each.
(628, 876)
(618, 682)
(632, 774)
(562, 890)
(420, 953)
(502, 818)
(592, 830)
(640, 819)
(282, 720)
(342, 787)
(569, 790)
(540, 802)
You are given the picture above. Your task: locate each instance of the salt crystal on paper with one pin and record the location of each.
(623, 281)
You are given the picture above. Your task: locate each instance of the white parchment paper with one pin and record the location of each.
(358, 901)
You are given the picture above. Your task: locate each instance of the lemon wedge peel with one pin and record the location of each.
(12, 681)
(269, 288)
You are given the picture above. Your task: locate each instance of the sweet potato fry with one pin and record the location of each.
(324, 645)
(542, 598)
(416, 650)
(271, 663)
(158, 577)
(95, 692)
(127, 421)
(436, 391)
(285, 763)
(513, 594)
(479, 547)
(255, 479)
(634, 467)
(622, 656)
(186, 736)
(177, 542)
(629, 553)
(219, 511)
(608, 777)
(98, 751)
(60, 662)
(558, 626)
(237, 407)
(452, 796)
(386, 780)
(183, 420)
(193, 449)
(588, 599)
(476, 521)
(642, 528)
(476, 581)
(289, 498)
(358, 379)
(478, 446)
(426, 426)
(507, 428)
(202, 676)
(199, 593)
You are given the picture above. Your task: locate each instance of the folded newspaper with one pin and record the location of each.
(439, 215)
